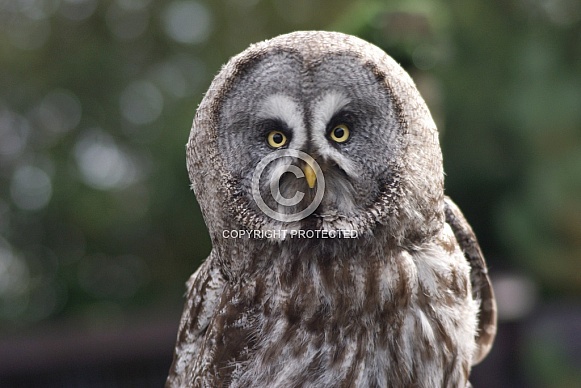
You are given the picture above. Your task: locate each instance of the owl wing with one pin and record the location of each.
(481, 285)
(204, 290)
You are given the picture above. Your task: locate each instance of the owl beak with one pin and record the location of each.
(310, 175)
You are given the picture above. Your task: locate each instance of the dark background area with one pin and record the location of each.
(99, 230)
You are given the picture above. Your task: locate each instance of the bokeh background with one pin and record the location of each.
(98, 228)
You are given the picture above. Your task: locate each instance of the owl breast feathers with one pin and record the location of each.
(337, 259)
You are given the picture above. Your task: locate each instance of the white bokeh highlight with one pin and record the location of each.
(187, 22)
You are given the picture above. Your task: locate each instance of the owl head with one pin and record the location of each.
(320, 131)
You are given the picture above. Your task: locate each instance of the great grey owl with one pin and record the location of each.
(381, 284)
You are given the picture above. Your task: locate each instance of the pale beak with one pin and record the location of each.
(310, 175)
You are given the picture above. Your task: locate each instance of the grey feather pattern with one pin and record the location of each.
(397, 306)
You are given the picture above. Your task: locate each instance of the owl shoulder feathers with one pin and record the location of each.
(204, 291)
(482, 290)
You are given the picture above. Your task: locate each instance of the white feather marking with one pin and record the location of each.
(284, 108)
(328, 105)
(386, 282)
(427, 329)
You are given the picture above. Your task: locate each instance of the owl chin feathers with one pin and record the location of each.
(343, 207)
(337, 200)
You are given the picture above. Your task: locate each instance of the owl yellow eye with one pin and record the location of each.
(340, 133)
(276, 139)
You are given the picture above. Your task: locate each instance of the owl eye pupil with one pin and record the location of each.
(277, 138)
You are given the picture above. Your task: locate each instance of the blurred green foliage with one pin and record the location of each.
(97, 98)
(503, 80)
